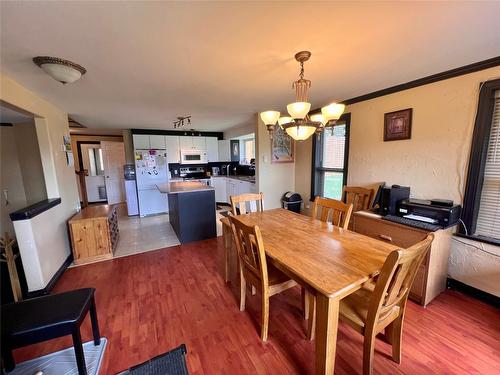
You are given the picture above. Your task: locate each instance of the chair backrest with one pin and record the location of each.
(244, 203)
(359, 197)
(332, 210)
(395, 280)
(250, 247)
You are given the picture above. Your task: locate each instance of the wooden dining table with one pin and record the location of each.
(328, 261)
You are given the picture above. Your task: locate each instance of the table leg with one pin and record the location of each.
(327, 318)
(95, 323)
(226, 233)
(80, 357)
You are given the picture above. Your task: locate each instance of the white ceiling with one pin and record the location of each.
(149, 62)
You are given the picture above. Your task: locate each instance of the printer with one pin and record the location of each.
(438, 212)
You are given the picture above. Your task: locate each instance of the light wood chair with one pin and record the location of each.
(244, 203)
(380, 306)
(332, 210)
(255, 269)
(359, 197)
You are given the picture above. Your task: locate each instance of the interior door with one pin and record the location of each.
(113, 154)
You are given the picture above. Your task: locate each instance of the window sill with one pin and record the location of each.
(487, 240)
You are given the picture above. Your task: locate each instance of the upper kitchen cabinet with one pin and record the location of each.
(224, 151)
(173, 149)
(141, 141)
(212, 149)
(192, 143)
(199, 143)
(157, 142)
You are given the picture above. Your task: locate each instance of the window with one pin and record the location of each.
(330, 156)
(481, 214)
(247, 149)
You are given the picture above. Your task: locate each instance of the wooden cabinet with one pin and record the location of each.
(224, 151)
(430, 280)
(212, 149)
(94, 233)
(173, 149)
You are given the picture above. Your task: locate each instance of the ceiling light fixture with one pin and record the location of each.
(181, 121)
(61, 70)
(300, 125)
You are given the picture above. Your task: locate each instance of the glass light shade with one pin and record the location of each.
(301, 132)
(270, 117)
(318, 118)
(298, 110)
(284, 120)
(61, 73)
(332, 111)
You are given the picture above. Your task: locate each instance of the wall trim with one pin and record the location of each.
(473, 292)
(53, 281)
(186, 132)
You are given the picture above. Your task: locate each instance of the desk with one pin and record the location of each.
(330, 262)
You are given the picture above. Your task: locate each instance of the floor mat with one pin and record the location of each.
(170, 363)
(63, 362)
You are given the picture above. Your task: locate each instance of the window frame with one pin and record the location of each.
(317, 154)
(477, 162)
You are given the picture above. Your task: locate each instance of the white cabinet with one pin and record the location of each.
(231, 188)
(219, 184)
(185, 143)
(141, 142)
(212, 149)
(199, 143)
(192, 143)
(173, 149)
(157, 142)
(225, 151)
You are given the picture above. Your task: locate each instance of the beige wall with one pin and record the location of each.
(240, 130)
(303, 160)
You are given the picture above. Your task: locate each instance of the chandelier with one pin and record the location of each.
(300, 125)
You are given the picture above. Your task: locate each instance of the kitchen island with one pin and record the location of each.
(191, 210)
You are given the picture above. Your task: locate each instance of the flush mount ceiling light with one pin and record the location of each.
(61, 70)
(299, 125)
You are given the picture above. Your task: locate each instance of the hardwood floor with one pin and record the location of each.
(150, 303)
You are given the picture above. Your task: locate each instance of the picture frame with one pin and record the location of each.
(397, 125)
(282, 147)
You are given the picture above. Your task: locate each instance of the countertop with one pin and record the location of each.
(93, 212)
(183, 187)
(250, 179)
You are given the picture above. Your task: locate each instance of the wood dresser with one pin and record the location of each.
(431, 277)
(94, 233)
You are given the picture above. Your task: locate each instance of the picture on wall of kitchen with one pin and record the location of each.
(397, 125)
(282, 147)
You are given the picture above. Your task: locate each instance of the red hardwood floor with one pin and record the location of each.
(152, 302)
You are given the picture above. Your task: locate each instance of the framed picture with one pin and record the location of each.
(397, 125)
(282, 147)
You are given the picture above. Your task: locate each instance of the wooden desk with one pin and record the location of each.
(330, 262)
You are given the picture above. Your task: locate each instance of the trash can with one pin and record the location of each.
(291, 201)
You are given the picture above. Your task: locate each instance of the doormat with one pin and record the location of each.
(170, 363)
(64, 361)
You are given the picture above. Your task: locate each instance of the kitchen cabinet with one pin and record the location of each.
(199, 143)
(157, 142)
(219, 184)
(231, 188)
(173, 149)
(141, 141)
(224, 151)
(212, 149)
(192, 143)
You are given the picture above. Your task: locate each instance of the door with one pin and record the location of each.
(113, 154)
(173, 149)
(199, 143)
(212, 149)
(185, 143)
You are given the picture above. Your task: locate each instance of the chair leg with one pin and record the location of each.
(394, 334)
(80, 358)
(95, 323)
(311, 324)
(8, 359)
(265, 316)
(243, 291)
(227, 246)
(368, 352)
(304, 298)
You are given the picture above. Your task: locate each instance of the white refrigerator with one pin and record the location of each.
(151, 169)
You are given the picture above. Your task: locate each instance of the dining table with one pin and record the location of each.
(330, 262)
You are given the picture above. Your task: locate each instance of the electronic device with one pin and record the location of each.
(189, 156)
(426, 211)
(412, 223)
(390, 197)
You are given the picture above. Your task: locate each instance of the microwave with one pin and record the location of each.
(194, 157)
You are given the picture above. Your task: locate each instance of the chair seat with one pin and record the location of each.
(47, 316)
(355, 306)
(275, 276)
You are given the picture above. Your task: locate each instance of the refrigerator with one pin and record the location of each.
(151, 169)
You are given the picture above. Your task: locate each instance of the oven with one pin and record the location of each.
(194, 157)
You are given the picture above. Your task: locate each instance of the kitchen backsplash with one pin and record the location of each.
(245, 170)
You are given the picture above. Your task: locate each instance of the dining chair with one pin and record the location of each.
(380, 306)
(245, 203)
(359, 197)
(254, 269)
(332, 210)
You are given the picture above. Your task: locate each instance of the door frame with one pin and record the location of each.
(82, 173)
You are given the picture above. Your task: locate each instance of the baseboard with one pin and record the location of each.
(53, 281)
(473, 292)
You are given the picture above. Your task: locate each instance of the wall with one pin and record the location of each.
(303, 160)
(51, 125)
(272, 179)
(240, 130)
(433, 162)
(128, 144)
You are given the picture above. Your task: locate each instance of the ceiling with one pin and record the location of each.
(149, 62)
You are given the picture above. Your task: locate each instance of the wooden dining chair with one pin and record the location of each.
(332, 210)
(359, 197)
(245, 203)
(254, 269)
(380, 306)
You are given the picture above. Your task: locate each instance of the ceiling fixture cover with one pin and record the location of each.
(300, 125)
(61, 70)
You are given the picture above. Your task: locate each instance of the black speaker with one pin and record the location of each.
(390, 197)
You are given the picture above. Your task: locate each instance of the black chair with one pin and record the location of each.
(45, 318)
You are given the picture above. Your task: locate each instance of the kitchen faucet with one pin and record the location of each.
(228, 168)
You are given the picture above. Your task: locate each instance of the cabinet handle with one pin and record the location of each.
(385, 237)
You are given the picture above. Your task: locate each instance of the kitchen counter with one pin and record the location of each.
(250, 179)
(183, 187)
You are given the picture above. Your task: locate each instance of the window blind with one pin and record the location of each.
(488, 219)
